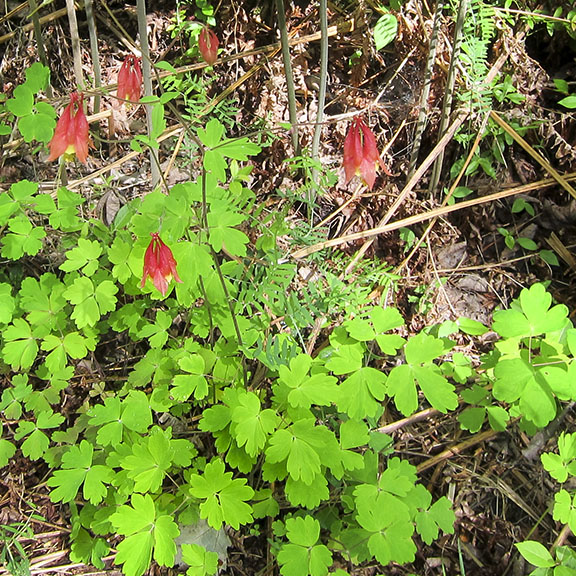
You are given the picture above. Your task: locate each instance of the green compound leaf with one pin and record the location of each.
(216, 418)
(23, 101)
(212, 134)
(73, 344)
(7, 449)
(379, 321)
(147, 533)
(421, 350)
(20, 346)
(361, 394)
(346, 358)
(152, 457)
(77, 469)
(295, 446)
(238, 149)
(114, 415)
(7, 303)
(90, 302)
(23, 238)
(472, 418)
(201, 562)
(119, 254)
(135, 553)
(38, 126)
(224, 498)
(562, 465)
(472, 327)
(224, 235)
(37, 77)
(193, 383)
(84, 548)
(518, 382)
(307, 495)
(252, 426)
(303, 556)
(43, 301)
(319, 389)
(157, 333)
(66, 216)
(438, 516)
(565, 508)
(530, 315)
(37, 441)
(353, 433)
(389, 529)
(535, 553)
(12, 398)
(8, 207)
(24, 191)
(84, 256)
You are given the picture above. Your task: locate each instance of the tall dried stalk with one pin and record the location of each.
(39, 40)
(94, 52)
(280, 10)
(76, 53)
(147, 79)
(321, 92)
(423, 112)
(449, 92)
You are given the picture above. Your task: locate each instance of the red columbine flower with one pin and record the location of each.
(159, 265)
(71, 134)
(130, 79)
(208, 45)
(361, 153)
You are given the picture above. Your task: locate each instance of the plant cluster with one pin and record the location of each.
(562, 467)
(219, 415)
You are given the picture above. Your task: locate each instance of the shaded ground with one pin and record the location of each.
(464, 267)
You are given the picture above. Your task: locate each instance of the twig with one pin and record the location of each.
(417, 218)
(563, 536)
(27, 27)
(457, 449)
(456, 182)
(536, 155)
(418, 417)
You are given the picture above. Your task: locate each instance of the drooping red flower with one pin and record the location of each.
(130, 79)
(361, 155)
(159, 265)
(208, 44)
(71, 133)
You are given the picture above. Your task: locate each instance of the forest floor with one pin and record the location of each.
(463, 267)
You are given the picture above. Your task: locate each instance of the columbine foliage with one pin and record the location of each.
(218, 414)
